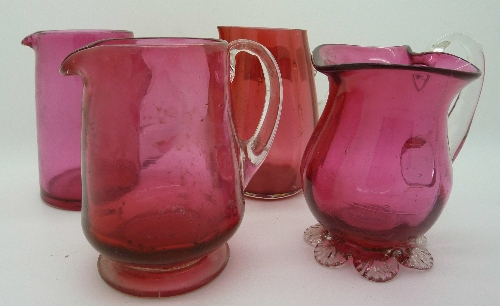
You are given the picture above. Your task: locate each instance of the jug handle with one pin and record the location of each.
(254, 150)
(463, 108)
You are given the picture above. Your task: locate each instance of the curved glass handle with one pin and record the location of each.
(254, 150)
(463, 109)
(322, 101)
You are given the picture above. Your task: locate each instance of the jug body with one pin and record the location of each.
(279, 175)
(58, 113)
(157, 130)
(162, 166)
(380, 171)
(377, 170)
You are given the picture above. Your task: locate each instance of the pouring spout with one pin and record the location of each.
(74, 63)
(29, 41)
(67, 67)
(71, 64)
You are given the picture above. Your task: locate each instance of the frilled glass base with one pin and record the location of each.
(378, 265)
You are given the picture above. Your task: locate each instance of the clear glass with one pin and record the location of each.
(58, 113)
(461, 112)
(377, 170)
(279, 175)
(163, 171)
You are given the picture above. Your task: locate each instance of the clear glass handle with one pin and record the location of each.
(254, 150)
(463, 109)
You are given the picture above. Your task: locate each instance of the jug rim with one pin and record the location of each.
(201, 42)
(462, 74)
(102, 43)
(67, 34)
(79, 31)
(261, 28)
(168, 42)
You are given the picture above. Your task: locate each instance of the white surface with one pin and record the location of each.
(45, 259)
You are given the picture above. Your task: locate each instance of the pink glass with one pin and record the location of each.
(58, 113)
(163, 171)
(279, 175)
(377, 170)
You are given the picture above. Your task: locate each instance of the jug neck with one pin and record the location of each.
(336, 58)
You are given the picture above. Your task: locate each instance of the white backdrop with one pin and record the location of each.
(45, 260)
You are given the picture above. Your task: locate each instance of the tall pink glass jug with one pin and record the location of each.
(163, 171)
(377, 170)
(279, 175)
(58, 113)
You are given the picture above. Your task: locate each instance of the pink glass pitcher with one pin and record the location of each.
(163, 171)
(279, 175)
(59, 113)
(377, 170)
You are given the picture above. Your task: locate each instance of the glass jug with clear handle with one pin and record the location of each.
(163, 170)
(377, 170)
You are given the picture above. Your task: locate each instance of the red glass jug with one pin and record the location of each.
(163, 170)
(279, 175)
(58, 113)
(377, 170)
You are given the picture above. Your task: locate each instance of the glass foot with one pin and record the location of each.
(163, 281)
(74, 205)
(375, 265)
(64, 191)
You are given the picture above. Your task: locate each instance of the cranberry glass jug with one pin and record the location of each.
(58, 113)
(377, 170)
(279, 175)
(163, 170)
